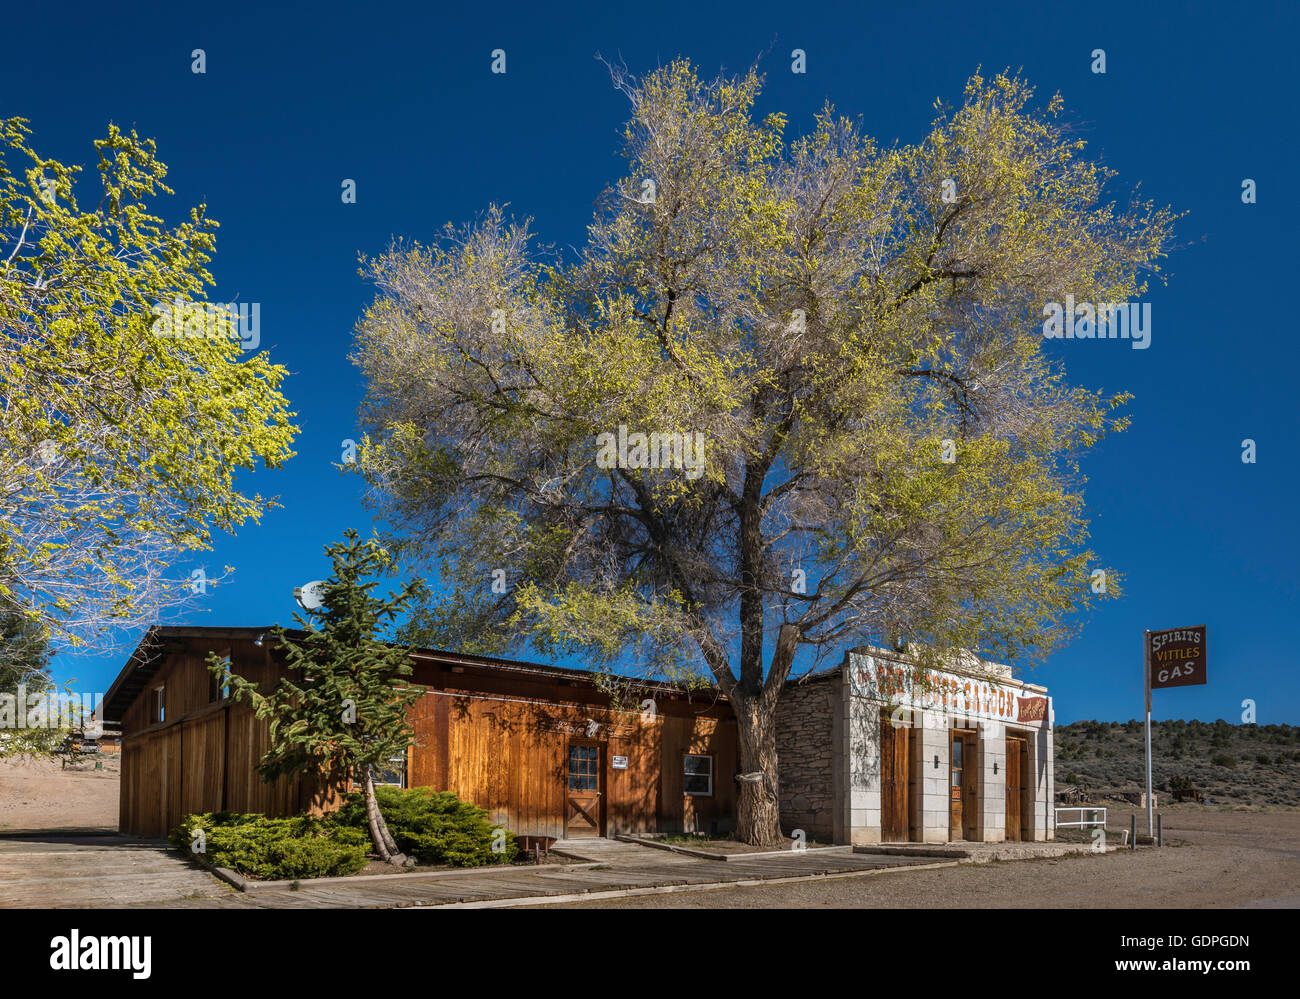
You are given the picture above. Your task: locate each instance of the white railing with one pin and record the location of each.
(1082, 823)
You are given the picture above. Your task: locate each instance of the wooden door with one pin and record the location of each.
(957, 767)
(894, 759)
(969, 788)
(583, 791)
(1017, 756)
(915, 787)
(963, 806)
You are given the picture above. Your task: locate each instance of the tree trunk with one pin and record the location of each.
(758, 820)
(382, 839)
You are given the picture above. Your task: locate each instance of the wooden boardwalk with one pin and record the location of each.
(96, 872)
(111, 872)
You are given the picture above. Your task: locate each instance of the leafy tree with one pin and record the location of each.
(855, 334)
(342, 711)
(24, 650)
(121, 435)
(24, 670)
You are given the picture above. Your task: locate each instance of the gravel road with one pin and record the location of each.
(1211, 860)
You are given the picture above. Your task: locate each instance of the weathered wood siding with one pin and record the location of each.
(497, 736)
(202, 757)
(502, 743)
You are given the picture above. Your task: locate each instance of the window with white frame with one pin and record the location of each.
(698, 775)
(160, 704)
(394, 774)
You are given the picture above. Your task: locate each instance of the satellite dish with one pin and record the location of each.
(310, 596)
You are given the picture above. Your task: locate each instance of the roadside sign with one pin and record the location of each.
(1172, 658)
(1177, 657)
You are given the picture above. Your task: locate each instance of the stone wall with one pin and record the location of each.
(804, 753)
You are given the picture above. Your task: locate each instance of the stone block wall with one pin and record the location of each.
(804, 754)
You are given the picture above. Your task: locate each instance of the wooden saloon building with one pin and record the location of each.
(541, 748)
(870, 751)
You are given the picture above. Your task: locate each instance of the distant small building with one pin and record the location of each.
(109, 740)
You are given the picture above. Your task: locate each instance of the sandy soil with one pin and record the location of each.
(37, 795)
(1212, 859)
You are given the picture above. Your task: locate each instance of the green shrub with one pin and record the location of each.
(1223, 760)
(435, 827)
(268, 849)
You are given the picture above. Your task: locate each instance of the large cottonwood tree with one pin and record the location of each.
(855, 330)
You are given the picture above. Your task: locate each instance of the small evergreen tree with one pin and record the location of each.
(343, 709)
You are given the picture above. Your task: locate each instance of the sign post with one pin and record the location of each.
(1146, 678)
(1173, 658)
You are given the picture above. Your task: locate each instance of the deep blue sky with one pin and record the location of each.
(400, 98)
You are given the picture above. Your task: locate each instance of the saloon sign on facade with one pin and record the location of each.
(909, 754)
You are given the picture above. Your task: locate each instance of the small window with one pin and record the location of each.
(699, 775)
(584, 768)
(219, 689)
(393, 775)
(161, 703)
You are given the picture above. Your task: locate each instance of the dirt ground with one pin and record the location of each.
(1212, 860)
(36, 795)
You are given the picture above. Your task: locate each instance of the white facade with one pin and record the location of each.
(978, 702)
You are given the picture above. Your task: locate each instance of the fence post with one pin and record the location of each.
(1160, 830)
(1133, 832)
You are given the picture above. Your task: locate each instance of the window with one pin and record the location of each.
(219, 690)
(699, 775)
(161, 703)
(394, 774)
(584, 774)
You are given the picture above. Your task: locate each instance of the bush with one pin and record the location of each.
(1223, 760)
(435, 827)
(268, 849)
